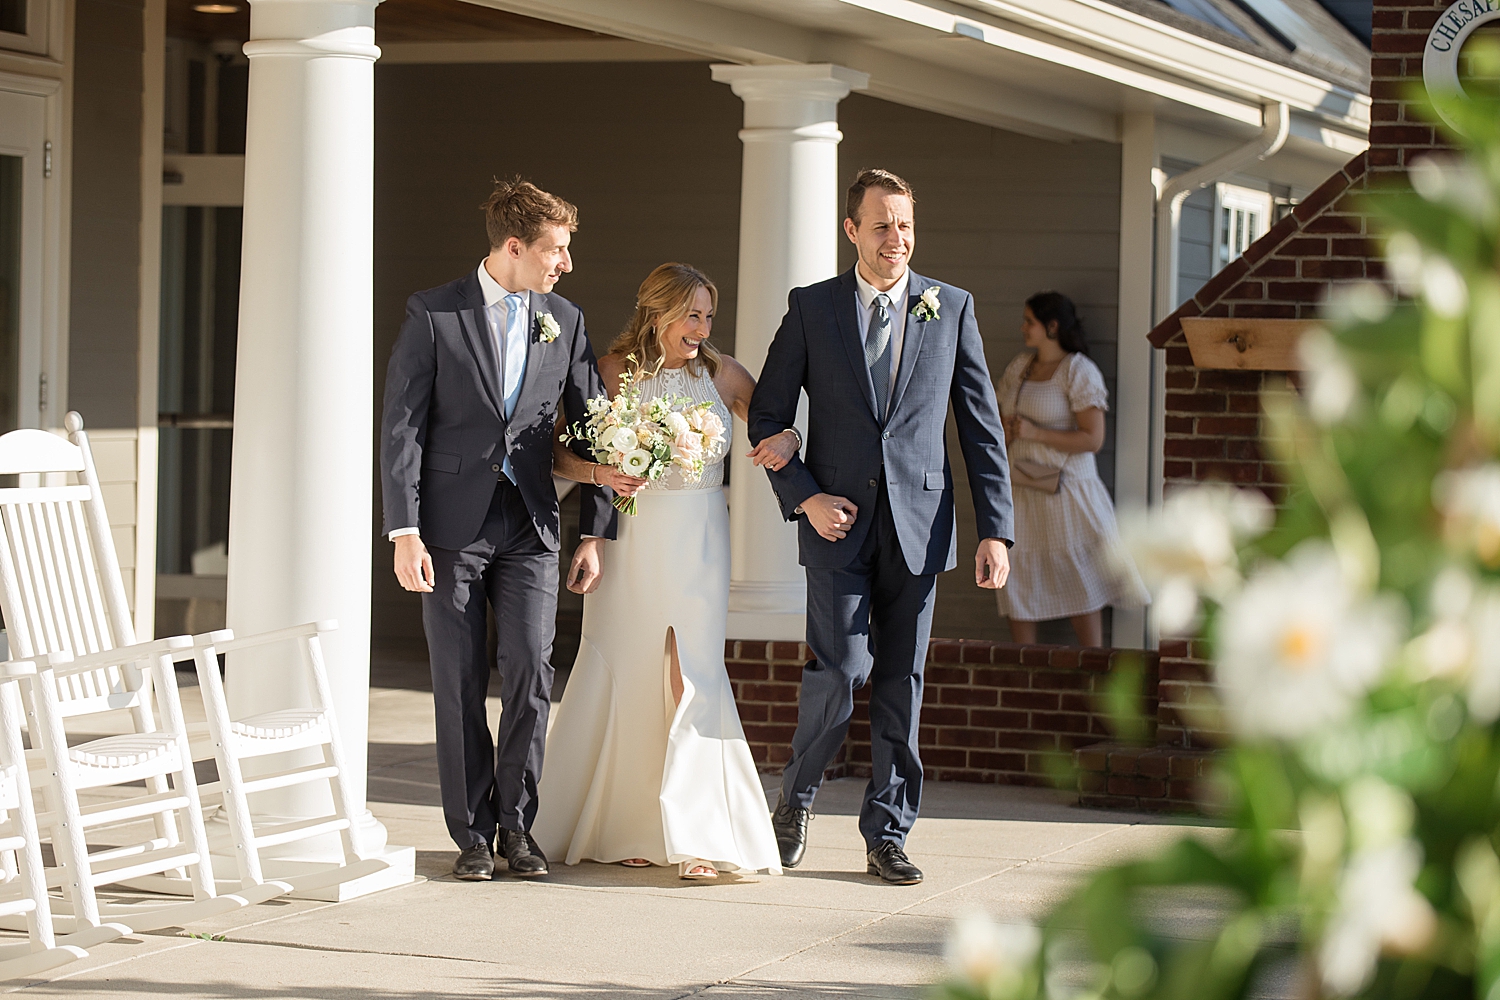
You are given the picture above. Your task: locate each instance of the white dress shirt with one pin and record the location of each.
(865, 294)
(498, 315)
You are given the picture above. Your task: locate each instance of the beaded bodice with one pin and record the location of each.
(674, 382)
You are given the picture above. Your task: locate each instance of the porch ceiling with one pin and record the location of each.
(395, 21)
(1060, 71)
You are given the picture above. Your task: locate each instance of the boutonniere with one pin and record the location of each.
(927, 306)
(547, 329)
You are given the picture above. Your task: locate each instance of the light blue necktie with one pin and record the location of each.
(512, 361)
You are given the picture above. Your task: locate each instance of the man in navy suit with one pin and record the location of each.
(472, 396)
(881, 352)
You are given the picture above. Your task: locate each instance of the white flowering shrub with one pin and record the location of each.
(1356, 639)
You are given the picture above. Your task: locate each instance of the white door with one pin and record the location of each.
(23, 169)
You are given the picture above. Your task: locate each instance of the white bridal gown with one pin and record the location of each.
(628, 774)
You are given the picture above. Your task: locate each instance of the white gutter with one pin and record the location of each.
(1275, 122)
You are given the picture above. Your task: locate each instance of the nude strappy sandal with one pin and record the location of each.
(696, 870)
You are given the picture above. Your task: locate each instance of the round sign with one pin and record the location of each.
(1446, 40)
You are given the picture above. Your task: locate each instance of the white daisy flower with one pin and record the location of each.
(994, 957)
(1379, 909)
(1331, 385)
(1470, 502)
(1297, 646)
(1189, 545)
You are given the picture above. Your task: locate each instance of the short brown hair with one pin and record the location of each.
(521, 209)
(873, 177)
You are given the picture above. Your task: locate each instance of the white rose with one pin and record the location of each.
(636, 463)
(624, 440)
(677, 424)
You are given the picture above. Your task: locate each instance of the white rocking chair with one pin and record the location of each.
(64, 605)
(283, 731)
(23, 884)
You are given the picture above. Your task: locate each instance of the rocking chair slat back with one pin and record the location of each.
(60, 583)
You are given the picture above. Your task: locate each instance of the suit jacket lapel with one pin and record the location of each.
(911, 340)
(845, 297)
(536, 305)
(481, 343)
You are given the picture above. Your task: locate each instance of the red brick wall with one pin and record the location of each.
(991, 711)
(1398, 131)
(1185, 714)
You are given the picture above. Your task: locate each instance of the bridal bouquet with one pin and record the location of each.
(647, 439)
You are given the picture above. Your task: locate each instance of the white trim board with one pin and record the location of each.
(540, 51)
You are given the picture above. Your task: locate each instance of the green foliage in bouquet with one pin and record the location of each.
(1357, 658)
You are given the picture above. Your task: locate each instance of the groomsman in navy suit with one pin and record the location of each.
(480, 373)
(881, 352)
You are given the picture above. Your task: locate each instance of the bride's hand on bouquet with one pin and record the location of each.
(775, 451)
(623, 485)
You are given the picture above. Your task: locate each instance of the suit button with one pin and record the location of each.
(886, 436)
(494, 468)
(874, 483)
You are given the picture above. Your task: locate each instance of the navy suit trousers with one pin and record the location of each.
(510, 568)
(867, 622)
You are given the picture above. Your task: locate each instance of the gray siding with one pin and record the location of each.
(104, 300)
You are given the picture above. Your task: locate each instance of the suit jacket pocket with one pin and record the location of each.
(937, 480)
(823, 474)
(440, 462)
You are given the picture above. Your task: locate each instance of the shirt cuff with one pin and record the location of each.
(393, 535)
(593, 536)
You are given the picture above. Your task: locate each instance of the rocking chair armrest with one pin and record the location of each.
(230, 644)
(67, 663)
(13, 670)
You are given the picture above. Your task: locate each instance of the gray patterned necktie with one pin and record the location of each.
(878, 352)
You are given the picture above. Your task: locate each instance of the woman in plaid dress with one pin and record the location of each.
(1063, 564)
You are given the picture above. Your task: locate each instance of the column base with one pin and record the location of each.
(770, 626)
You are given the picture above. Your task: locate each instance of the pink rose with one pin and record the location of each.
(713, 427)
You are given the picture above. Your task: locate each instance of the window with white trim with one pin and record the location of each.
(1241, 216)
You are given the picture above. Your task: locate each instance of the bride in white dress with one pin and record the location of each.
(646, 760)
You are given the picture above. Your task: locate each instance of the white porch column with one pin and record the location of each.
(789, 233)
(300, 496)
(1135, 388)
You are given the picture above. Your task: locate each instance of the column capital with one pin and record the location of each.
(790, 95)
(313, 28)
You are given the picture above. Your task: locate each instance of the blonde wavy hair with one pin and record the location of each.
(665, 297)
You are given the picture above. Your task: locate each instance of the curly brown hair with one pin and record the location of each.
(665, 297)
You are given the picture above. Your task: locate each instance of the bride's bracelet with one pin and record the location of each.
(594, 474)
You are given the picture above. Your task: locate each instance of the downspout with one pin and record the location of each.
(1275, 119)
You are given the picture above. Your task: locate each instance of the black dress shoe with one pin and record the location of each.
(474, 864)
(790, 825)
(890, 862)
(522, 855)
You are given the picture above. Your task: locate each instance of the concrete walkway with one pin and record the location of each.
(597, 931)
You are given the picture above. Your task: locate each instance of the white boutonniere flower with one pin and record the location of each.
(547, 329)
(927, 306)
